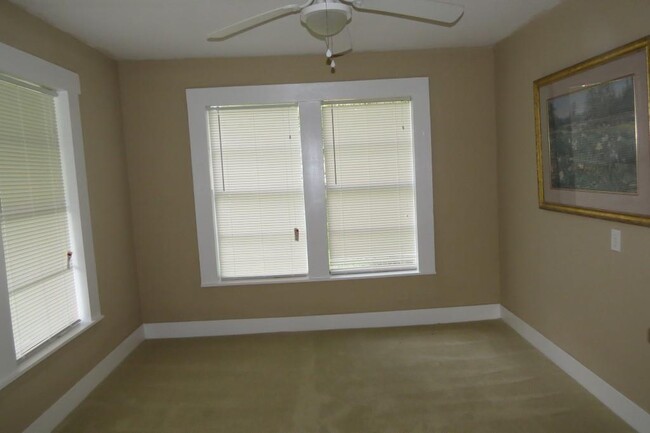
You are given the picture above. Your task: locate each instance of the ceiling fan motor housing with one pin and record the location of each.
(326, 18)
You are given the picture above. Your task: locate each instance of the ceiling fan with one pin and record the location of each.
(327, 18)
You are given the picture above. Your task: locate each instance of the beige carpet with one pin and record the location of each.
(477, 377)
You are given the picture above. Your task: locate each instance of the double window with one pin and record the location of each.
(48, 290)
(312, 181)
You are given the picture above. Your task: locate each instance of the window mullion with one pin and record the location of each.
(314, 187)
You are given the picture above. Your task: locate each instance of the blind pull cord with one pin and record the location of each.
(69, 259)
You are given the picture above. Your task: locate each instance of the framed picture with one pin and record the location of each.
(592, 134)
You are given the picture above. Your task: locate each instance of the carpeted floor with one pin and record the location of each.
(474, 377)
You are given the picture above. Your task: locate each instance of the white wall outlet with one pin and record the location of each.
(616, 240)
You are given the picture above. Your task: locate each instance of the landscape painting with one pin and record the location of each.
(592, 138)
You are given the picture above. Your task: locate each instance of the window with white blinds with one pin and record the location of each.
(258, 191)
(34, 224)
(312, 182)
(48, 280)
(370, 186)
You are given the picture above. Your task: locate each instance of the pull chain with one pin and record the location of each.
(328, 41)
(329, 54)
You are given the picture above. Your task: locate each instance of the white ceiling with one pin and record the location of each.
(164, 29)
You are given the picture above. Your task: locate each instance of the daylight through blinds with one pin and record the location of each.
(258, 191)
(34, 218)
(370, 186)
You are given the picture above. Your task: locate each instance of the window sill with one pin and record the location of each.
(45, 352)
(337, 277)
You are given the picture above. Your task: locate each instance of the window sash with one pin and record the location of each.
(34, 217)
(368, 151)
(258, 191)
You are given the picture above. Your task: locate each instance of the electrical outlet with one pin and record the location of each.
(616, 240)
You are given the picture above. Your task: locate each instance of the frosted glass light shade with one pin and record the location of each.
(326, 21)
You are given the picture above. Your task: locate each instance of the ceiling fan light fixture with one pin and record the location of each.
(326, 19)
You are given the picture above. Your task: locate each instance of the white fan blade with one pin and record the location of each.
(341, 44)
(255, 21)
(429, 10)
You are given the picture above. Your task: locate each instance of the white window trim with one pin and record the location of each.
(27, 67)
(309, 98)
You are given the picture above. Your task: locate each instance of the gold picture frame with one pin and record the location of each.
(592, 128)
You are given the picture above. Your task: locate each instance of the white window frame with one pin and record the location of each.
(24, 66)
(309, 98)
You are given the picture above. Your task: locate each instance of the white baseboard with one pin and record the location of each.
(75, 395)
(629, 411)
(71, 399)
(622, 406)
(319, 323)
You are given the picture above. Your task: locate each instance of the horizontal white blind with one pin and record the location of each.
(370, 186)
(34, 218)
(258, 191)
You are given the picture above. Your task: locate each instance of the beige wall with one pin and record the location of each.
(464, 152)
(557, 271)
(23, 400)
